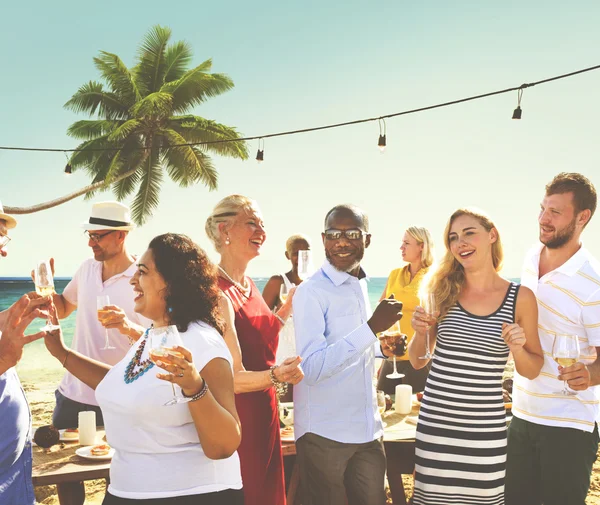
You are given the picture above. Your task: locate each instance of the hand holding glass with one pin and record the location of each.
(284, 292)
(162, 341)
(566, 352)
(393, 339)
(430, 308)
(44, 286)
(101, 302)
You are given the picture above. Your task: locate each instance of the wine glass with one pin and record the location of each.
(162, 340)
(566, 352)
(284, 292)
(304, 264)
(44, 286)
(392, 338)
(430, 308)
(101, 302)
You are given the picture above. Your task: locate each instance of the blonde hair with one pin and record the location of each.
(423, 237)
(446, 282)
(225, 212)
(294, 238)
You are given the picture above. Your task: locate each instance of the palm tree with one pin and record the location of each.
(143, 127)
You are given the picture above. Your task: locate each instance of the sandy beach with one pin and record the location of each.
(40, 386)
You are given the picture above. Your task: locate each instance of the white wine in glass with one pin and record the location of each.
(44, 286)
(101, 302)
(283, 292)
(566, 352)
(430, 308)
(162, 341)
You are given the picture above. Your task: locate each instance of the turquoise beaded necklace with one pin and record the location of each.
(131, 374)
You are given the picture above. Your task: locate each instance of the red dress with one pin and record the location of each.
(260, 451)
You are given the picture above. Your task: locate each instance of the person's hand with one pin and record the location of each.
(13, 339)
(514, 336)
(182, 371)
(389, 347)
(290, 371)
(114, 317)
(422, 321)
(578, 376)
(385, 315)
(43, 303)
(54, 339)
(51, 268)
(290, 296)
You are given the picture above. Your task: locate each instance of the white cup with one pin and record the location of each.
(87, 427)
(403, 398)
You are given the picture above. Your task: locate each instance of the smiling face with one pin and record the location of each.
(470, 243)
(558, 221)
(411, 249)
(109, 244)
(344, 254)
(150, 289)
(246, 234)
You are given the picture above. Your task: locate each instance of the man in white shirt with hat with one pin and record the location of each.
(107, 274)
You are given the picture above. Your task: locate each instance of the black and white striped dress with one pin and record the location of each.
(461, 433)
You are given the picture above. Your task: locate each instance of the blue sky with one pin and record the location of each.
(309, 63)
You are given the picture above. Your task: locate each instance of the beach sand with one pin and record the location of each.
(40, 386)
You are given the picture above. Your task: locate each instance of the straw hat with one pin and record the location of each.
(11, 222)
(109, 216)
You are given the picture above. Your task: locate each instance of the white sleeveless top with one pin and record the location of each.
(287, 337)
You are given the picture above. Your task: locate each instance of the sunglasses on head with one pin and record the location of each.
(355, 234)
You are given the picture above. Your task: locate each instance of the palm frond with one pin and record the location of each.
(88, 152)
(125, 187)
(155, 104)
(177, 58)
(196, 86)
(120, 78)
(146, 199)
(124, 130)
(197, 129)
(92, 98)
(92, 128)
(150, 69)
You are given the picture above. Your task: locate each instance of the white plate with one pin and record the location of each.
(86, 452)
(66, 439)
(287, 435)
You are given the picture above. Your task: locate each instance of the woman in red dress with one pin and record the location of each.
(237, 231)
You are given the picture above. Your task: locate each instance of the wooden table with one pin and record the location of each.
(60, 464)
(399, 441)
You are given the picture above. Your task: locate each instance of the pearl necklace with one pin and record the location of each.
(243, 289)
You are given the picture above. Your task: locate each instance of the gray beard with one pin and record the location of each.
(354, 265)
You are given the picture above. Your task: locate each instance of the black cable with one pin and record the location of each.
(325, 127)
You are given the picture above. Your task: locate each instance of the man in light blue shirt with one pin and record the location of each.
(338, 429)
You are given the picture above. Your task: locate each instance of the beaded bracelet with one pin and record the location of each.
(198, 395)
(280, 387)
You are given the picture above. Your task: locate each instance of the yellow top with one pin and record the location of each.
(407, 292)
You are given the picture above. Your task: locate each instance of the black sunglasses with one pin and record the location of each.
(349, 234)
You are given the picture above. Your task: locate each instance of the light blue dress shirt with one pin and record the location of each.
(336, 399)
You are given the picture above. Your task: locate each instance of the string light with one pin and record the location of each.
(260, 154)
(382, 142)
(517, 111)
(68, 168)
(329, 126)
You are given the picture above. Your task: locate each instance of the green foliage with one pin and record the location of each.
(142, 116)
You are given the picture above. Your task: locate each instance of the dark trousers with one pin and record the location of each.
(66, 412)
(226, 497)
(547, 464)
(331, 471)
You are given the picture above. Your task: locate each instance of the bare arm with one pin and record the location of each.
(418, 344)
(64, 308)
(271, 292)
(246, 381)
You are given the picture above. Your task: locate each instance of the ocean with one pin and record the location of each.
(38, 367)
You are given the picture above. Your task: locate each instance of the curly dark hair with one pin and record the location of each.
(192, 292)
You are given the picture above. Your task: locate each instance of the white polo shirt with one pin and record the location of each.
(568, 302)
(89, 337)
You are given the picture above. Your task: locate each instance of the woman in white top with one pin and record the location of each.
(182, 454)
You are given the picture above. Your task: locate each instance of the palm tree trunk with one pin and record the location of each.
(64, 199)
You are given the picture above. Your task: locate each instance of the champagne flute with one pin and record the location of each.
(392, 338)
(430, 308)
(44, 286)
(304, 264)
(566, 352)
(284, 292)
(101, 302)
(162, 340)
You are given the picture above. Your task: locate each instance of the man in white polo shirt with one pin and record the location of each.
(108, 273)
(553, 438)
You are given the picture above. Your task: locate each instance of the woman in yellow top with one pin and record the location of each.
(404, 283)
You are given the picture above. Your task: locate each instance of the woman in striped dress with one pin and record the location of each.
(461, 434)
